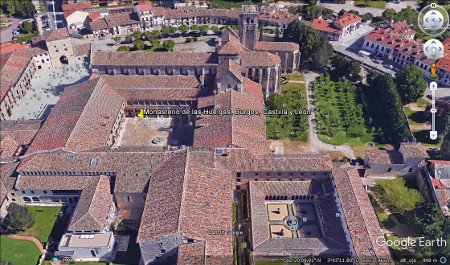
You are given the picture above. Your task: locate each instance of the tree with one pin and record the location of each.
(344, 68)
(168, 44)
(172, 30)
(204, 29)
(165, 31)
(139, 45)
(389, 14)
(194, 27)
(123, 49)
(411, 84)
(315, 47)
(18, 218)
(128, 39)
(443, 124)
(26, 27)
(313, 2)
(427, 220)
(137, 35)
(154, 42)
(386, 110)
(215, 29)
(117, 39)
(155, 34)
(401, 199)
(183, 29)
(445, 147)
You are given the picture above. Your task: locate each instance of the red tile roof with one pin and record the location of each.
(10, 47)
(347, 19)
(321, 24)
(361, 219)
(77, 6)
(276, 46)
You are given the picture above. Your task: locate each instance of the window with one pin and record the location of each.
(128, 198)
(45, 192)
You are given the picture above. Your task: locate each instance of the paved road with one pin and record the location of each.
(315, 144)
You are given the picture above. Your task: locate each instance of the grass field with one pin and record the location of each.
(18, 251)
(295, 77)
(292, 127)
(339, 113)
(45, 219)
(25, 37)
(374, 4)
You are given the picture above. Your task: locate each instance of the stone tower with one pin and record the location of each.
(248, 26)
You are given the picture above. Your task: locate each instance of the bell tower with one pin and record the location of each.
(248, 26)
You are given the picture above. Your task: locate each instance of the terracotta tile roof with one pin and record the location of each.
(446, 44)
(23, 132)
(444, 64)
(378, 157)
(62, 120)
(94, 16)
(440, 162)
(246, 131)
(230, 48)
(242, 160)
(276, 46)
(98, 24)
(91, 211)
(189, 210)
(414, 150)
(229, 66)
(131, 167)
(191, 254)
(259, 59)
(114, 20)
(361, 219)
(3, 191)
(263, 244)
(55, 34)
(347, 19)
(81, 49)
(8, 147)
(12, 65)
(55, 182)
(321, 24)
(101, 58)
(277, 16)
(7, 176)
(8, 47)
(77, 6)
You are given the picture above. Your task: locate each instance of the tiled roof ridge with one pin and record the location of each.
(99, 79)
(184, 187)
(97, 188)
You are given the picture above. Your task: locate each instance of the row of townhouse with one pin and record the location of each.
(396, 42)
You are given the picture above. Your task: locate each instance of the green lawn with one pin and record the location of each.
(295, 126)
(295, 76)
(18, 251)
(339, 113)
(25, 37)
(45, 219)
(374, 4)
(422, 103)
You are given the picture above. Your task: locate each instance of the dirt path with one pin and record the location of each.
(30, 238)
(296, 81)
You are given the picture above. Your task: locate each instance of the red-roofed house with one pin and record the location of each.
(340, 27)
(8, 47)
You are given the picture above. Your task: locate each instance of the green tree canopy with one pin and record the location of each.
(340, 67)
(154, 42)
(165, 31)
(168, 44)
(386, 110)
(427, 220)
(445, 147)
(139, 45)
(314, 46)
(128, 39)
(117, 39)
(22, 8)
(123, 49)
(411, 84)
(204, 29)
(18, 218)
(26, 27)
(137, 35)
(183, 29)
(401, 199)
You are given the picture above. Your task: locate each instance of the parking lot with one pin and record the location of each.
(47, 86)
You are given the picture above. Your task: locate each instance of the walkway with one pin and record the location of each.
(315, 144)
(29, 238)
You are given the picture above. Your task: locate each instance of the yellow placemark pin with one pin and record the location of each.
(141, 113)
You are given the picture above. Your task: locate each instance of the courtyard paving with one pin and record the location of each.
(47, 86)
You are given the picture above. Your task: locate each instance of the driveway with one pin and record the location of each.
(315, 144)
(6, 34)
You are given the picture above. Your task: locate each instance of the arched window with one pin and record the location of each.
(26, 199)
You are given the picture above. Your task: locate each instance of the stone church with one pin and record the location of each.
(261, 61)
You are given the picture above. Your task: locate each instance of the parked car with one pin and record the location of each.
(388, 66)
